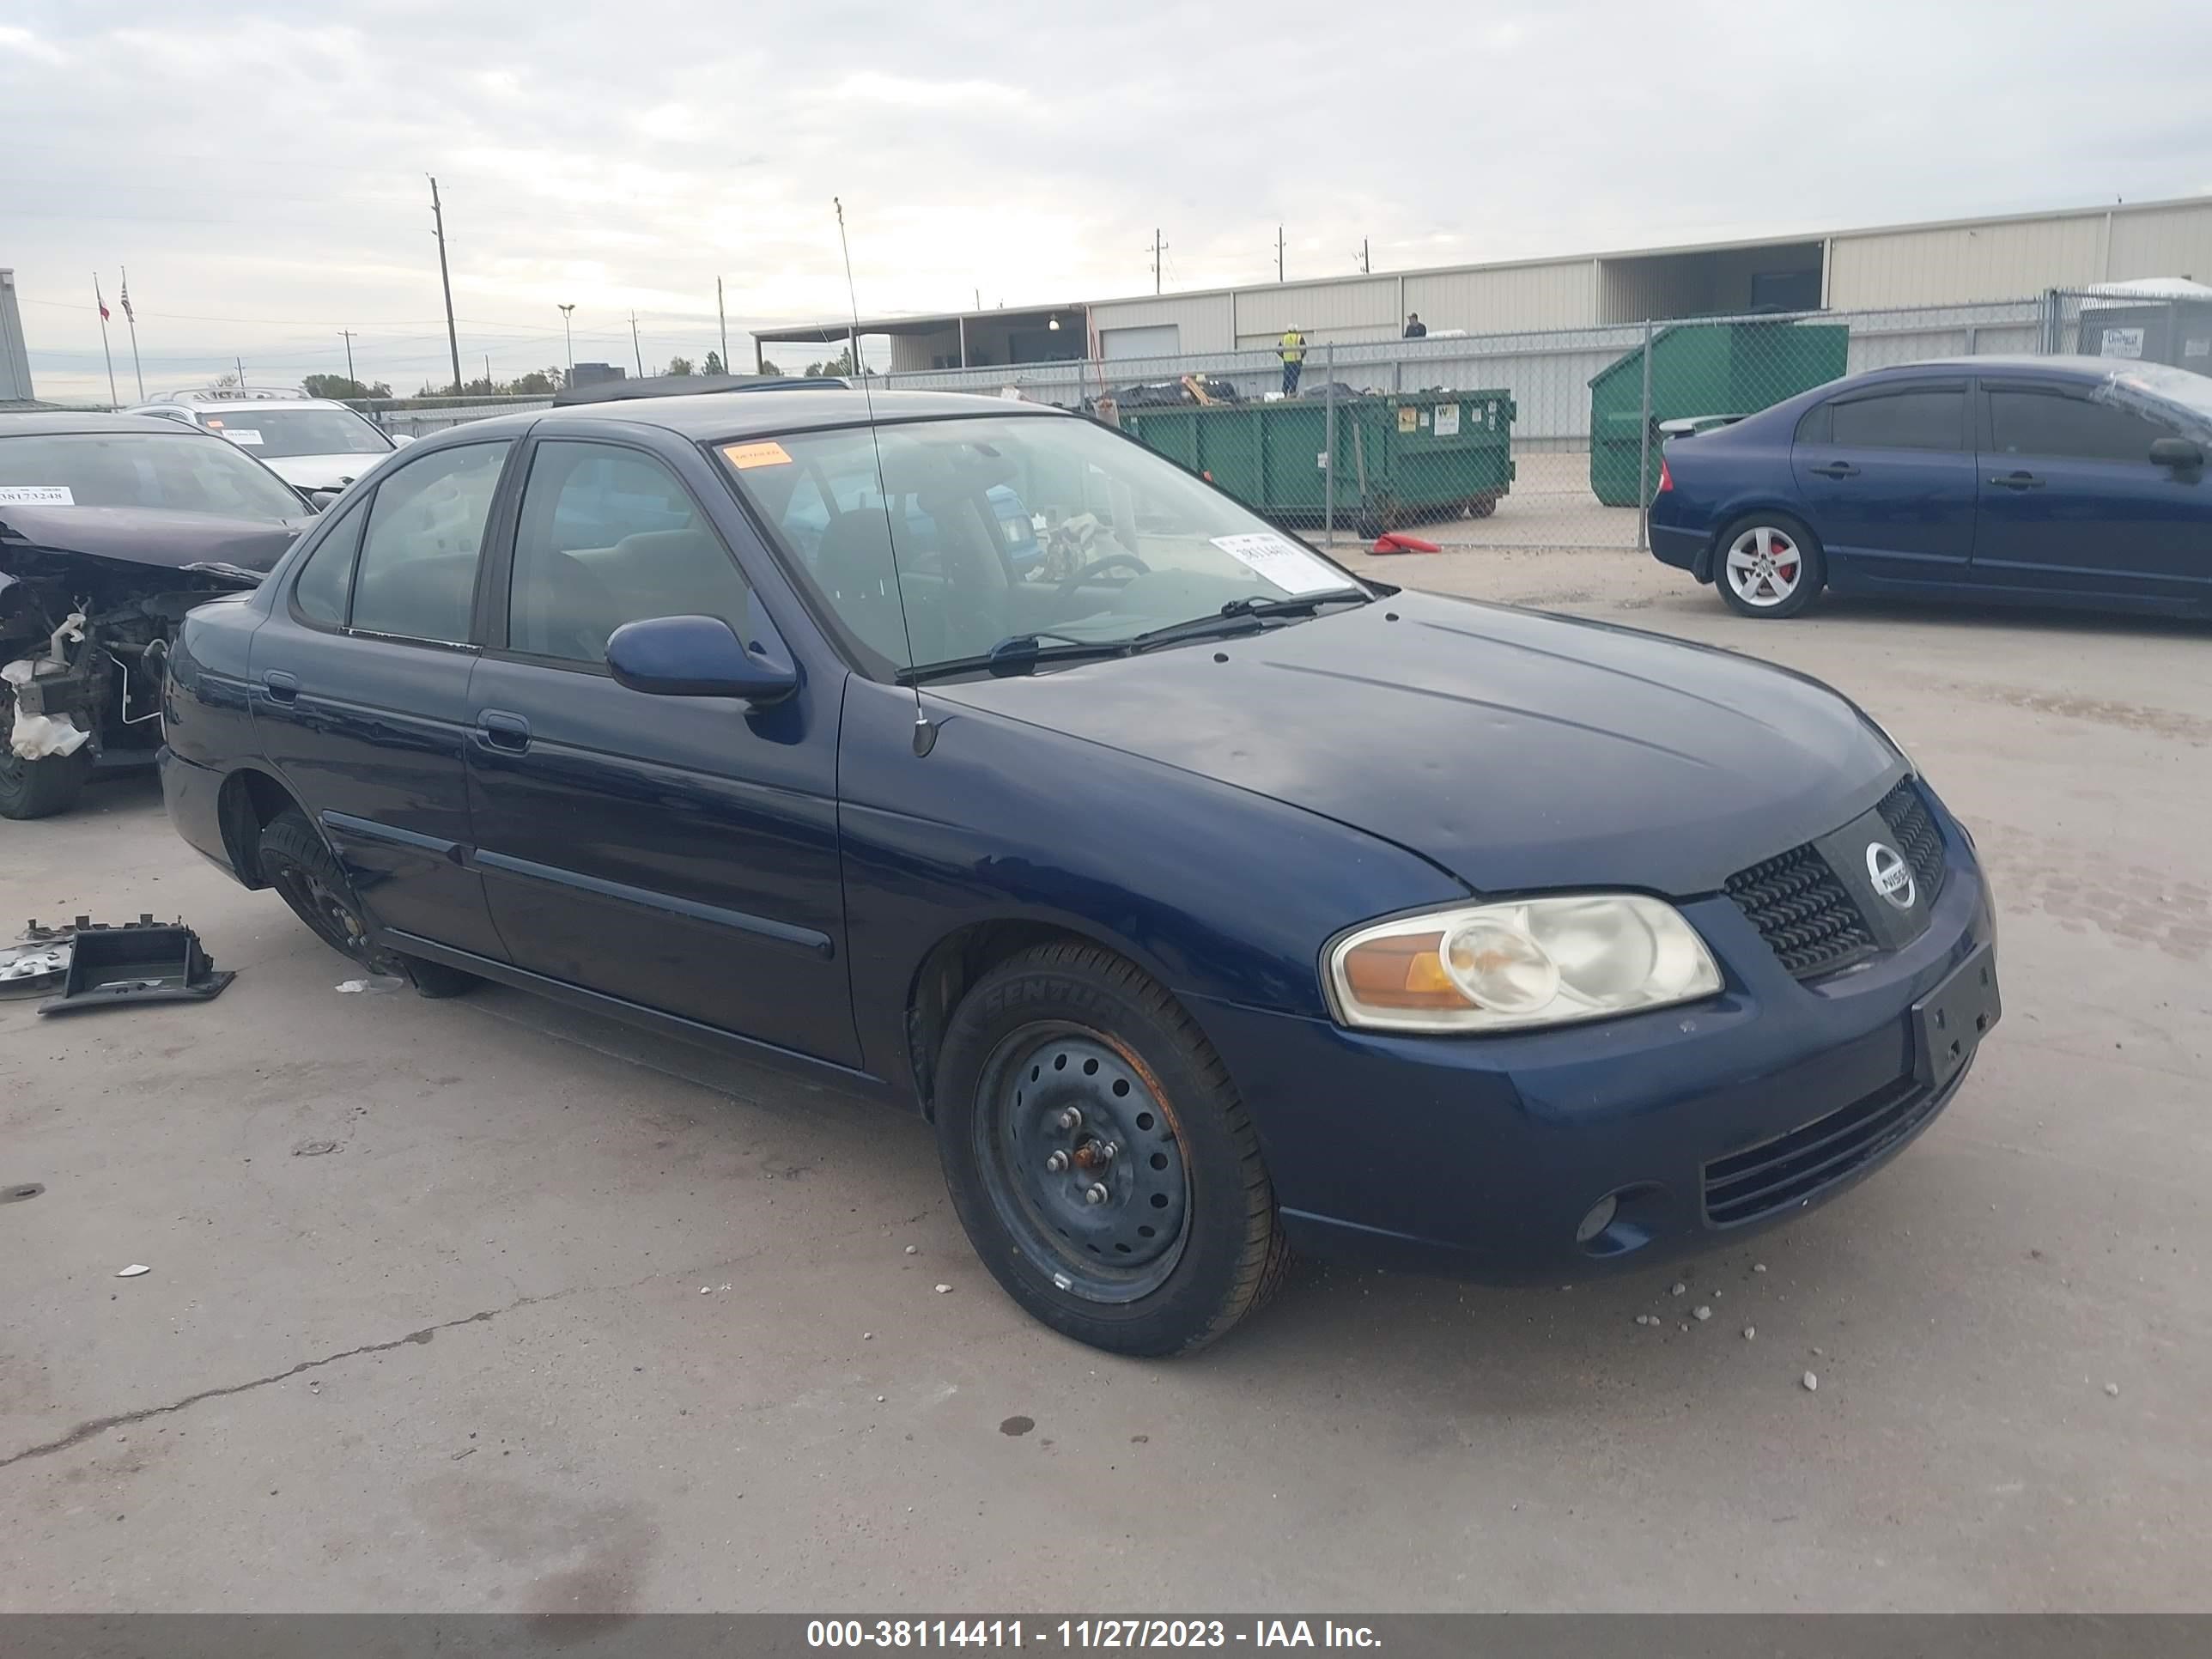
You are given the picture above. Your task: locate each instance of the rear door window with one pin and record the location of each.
(417, 576)
(2056, 425)
(1921, 418)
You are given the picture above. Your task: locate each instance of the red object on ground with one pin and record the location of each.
(1392, 542)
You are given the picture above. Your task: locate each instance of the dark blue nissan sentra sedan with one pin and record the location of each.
(1210, 902)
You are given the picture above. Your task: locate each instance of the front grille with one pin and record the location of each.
(1917, 838)
(1762, 1179)
(1803, 911)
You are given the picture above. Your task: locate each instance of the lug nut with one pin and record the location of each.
(1094, 1194)
(1106, 1151)
(1070, 1119)
(1056, 1163)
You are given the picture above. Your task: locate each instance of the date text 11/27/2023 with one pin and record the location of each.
(1085, 1633)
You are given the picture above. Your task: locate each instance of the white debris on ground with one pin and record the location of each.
(1758, 1266)
(1749, 1331)
(1812, 1383)
(1702, 1313)
(133, 1270)
(945, 1290)
(1680, 1287)
(912, 1250)
(2112, 1389)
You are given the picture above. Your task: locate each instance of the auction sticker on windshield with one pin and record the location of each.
(743, 457)
(36, 495)
(250, 437)
(1283, 563)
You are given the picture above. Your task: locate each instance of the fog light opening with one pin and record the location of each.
(1599, 1219)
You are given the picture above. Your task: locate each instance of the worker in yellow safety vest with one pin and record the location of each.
(1293, 348)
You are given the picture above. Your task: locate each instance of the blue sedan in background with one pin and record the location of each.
(2039, 480)
(1208, 900)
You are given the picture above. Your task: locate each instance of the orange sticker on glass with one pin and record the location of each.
(766, 453)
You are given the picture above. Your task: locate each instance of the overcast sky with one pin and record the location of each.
(259, 167)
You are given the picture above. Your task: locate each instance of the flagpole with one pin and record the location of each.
(114, 400)
(131, 317)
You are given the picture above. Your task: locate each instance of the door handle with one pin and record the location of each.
(280, 686)
(1836, 469)
(2017, 480)
(502, 731)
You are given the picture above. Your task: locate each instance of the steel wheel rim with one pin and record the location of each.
(1123, 1246)
(332, 919)
(1764, 567)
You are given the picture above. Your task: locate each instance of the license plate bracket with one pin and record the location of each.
(1949, 1023)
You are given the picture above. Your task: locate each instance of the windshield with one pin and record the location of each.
(981, 530)
(274, 434)
(175, 471)
(2192, 392)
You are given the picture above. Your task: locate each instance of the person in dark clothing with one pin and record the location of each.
(1415, 328)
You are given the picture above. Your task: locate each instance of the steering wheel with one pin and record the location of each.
(1097, 566)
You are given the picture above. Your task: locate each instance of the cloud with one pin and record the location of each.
(268, 162)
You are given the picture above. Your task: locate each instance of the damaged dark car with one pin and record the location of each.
(111, 526)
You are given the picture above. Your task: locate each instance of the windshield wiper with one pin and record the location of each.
(1017, 654)
(1242, 616)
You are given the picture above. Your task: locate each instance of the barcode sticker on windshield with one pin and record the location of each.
(36, 495)
(1283, 563)
(243, 435)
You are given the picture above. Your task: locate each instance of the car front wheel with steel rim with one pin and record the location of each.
(1099, 1157)
(1768, 566)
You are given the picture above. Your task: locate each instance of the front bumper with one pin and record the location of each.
(1479, 1157)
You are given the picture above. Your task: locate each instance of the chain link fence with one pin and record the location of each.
(1528, 438)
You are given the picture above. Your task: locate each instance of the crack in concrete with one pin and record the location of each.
(99, 1425)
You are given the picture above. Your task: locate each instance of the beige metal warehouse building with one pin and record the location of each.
(1964, 262)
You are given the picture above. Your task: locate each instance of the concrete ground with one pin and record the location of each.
(566, 1318)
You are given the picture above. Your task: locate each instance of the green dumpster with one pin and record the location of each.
(1400, 459)
(1700, 370)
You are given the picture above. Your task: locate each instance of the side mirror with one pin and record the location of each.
(696, 657)
(400, 440)
(2178, 453)
(322, 500)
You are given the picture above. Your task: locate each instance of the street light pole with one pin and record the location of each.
(571, 340)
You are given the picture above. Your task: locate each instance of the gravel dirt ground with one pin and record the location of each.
(480, 1304)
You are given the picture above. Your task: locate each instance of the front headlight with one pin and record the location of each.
(1533, 962)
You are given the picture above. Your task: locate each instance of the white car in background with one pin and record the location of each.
(312, 443)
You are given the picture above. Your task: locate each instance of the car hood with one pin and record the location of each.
(320, 471)
(134, 535)
(1518, 751)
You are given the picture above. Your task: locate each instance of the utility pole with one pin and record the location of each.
(348, 340)
(1365, 270)
(445, 277)
(239, 363)
(571, 340)
(723, 318)
(634, 347)
(1158, 249)
(487, 368)
(1279, 253)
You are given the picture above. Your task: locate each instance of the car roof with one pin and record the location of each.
(17, 426)
(746, 413)
(232, 406)
(2055, 363)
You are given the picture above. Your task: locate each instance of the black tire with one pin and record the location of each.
(1481, 507)
(39, 788)
(309, 879)
(1157, 1090)
(1812, 566)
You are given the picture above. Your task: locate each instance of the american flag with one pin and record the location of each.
(122, 299)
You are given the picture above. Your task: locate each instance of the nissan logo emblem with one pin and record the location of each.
(1891, 875)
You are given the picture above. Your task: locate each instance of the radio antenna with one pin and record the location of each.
(925, 735)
